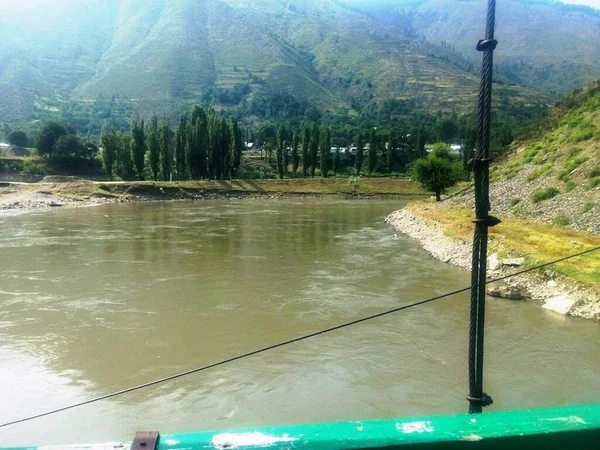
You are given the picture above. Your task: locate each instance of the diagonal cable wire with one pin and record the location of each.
(284, 343)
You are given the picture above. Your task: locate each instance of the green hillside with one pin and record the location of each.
(554, 176)
(262, 59)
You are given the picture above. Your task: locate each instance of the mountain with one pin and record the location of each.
(543, 44)
(268, 59)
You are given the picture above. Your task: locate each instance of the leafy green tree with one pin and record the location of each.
(325, 151)
(314, 149)
(280, 149)
(18, 139)
(237, 146)
(439, 171)
(390, 153)
(214, 133)
(110, 143)
(138, 147)
(226, 156)
(49, 134)
(123, 162)
(154, 146)
(295, 158)
(372, 152)
(305, 148)
(180, 137)
(360, 154)
(166, 153)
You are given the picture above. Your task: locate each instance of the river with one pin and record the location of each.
(94, 300)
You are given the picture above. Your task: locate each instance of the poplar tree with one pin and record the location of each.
(154, 146)
(225, 149)
(237, 146)
(180, 144)
(314, 149)
(213, 145)
(360, 153)
(325, 146)
(109, 150)
(389, 160)
(372, 152)
(305, 148)
(280, 147)
(138, 147)
(166, 152)
(295, 159)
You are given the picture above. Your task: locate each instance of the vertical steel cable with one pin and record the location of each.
(477, 398)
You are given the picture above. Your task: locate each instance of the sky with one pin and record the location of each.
(592, 3)
(18, 4)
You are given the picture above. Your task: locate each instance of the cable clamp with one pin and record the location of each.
(486, 44)
(485, 400)
(475, 162)
(490, 221)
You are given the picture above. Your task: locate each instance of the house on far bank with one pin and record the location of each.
(456, 148)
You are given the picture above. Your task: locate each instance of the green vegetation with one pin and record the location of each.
(515, 201)
(588, 207)
(562, 220)
(544, 194)
(439, 171)
(537, 242)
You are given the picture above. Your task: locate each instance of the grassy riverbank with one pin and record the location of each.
(536, 242)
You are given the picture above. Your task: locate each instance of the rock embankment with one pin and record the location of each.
(555, 293)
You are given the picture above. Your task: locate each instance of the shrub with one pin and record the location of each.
(570, 186)
(515, 201)
(544, 194)
(588, 207)
(593, 183)
(562, 220)
(34, 165)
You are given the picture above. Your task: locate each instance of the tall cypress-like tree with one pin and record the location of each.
(237, 145)
(325, 149)
(166, 152)
(225, 147)
(203, 143)
(214, 135)
(360, 154)
(390, 154)
(180, 144)
(154, 146)
(305, 148)
(138, 147)
(295, 159)
(286, 151)
(372, 151)
(124, 163)
(314, 149)
(109, 150)
(280, 149)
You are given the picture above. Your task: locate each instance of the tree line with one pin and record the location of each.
(202, 146)
(310, 150)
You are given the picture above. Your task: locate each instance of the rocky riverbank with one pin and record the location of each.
(549, 289)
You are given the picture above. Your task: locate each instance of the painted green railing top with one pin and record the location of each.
(576, 427)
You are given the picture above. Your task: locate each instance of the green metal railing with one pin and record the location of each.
(573, 427)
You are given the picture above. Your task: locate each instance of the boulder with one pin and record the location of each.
(513, 262)
(509, 292)
(494, 262)
(560, 304)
